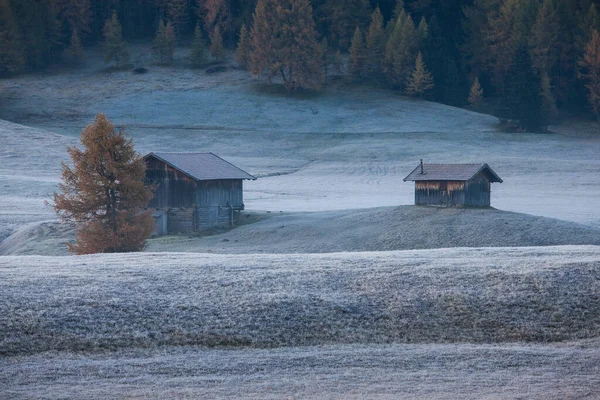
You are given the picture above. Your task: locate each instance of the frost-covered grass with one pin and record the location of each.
(347, 148)
(369, 229)
(108, 302)
(395, 371)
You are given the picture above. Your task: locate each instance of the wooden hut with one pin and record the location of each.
(194, 191)
(459, 185)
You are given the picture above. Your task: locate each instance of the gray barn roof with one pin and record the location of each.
(202, 166)
(450, 172)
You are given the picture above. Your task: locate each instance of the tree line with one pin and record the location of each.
(532, 57)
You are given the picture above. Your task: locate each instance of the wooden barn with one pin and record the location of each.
(194, 191)
(459, 185)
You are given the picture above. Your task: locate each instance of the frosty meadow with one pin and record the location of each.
(332, 284)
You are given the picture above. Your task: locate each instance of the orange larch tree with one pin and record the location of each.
(104, 192)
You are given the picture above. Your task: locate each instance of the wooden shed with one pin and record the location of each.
(459, 185)
(194, 191)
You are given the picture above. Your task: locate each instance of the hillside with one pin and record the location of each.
(383, 229)
(370, 229)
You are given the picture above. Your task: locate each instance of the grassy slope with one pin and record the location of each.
(157, 299)
(383, 229)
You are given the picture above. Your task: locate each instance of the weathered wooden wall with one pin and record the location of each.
(191, 204)
(181, 220)
(473, 193)
(220, 193)
(174, 188)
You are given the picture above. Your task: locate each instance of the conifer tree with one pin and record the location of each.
(338, 64)
(549, 108)
(589, 21)
(400, 50)
(242, 53)
(544, 38)
(164, 43)
(198, 55)
(261, 38)
(343, 17)
(104, 192)
(375, 45)
(590, 72)
(398, 9)
(215, 14)
(476, 93)
(76, 14)
(419, 82)
(114, 46)
(476, 26)
(75, 51)
(216, 44)
(325, 58)
(11, 53)
(422, 33)
(178, 12)
(356, 59)
(522, 97)
(284, 43)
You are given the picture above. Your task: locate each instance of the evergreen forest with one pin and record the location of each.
(523, 60)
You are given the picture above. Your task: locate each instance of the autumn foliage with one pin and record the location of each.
(104, 192)
(284, 43)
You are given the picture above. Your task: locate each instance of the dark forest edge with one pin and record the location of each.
(527, 58)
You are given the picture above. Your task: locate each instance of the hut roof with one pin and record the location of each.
(450, 172)
(202, 166)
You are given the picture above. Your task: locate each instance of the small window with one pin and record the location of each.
(444, 186)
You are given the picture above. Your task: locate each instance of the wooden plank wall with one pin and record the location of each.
(474, 193)
(181, 220)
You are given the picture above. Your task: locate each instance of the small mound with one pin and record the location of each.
(383, 229)
(48, 238)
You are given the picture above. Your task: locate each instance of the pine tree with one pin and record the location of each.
(216, 44)
(284, 43)
(325, 58)
(178, 12)
(549, 108)
(261, 38)
(114, 45)
(590, 72)
(356, 59)
(11, 53)
(419, 82)
(398, 9)
(198, 55)
(400, 51)
(343, 17)
(104, 192)
(476, 93)
(75, 51)
(338, 64)
(589, 21)
(215, 14)
(164, 43)
(375, 45)
(476, 26)
(242, 53)
(422, 33)
(507, 30)
(544, 38)
(77, 14)
(522, 96)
